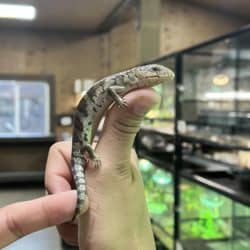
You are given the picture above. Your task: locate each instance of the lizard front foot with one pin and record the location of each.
(123, 103)
(96, 162)
(92, 158)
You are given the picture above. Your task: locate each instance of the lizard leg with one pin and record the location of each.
(114, 94)
(92, 156)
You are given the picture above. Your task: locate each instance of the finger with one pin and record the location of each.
(20, 219)
(121, 125)
(58, 176)
(58, 179)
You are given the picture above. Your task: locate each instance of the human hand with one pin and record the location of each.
(117, 217)
(22, 218)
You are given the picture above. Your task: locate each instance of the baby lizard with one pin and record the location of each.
(92, 107)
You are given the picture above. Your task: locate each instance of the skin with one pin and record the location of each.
(16, 222)
(117, 217)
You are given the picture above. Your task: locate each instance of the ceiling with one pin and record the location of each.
(91, 15)
(238, 8)
(84, 15)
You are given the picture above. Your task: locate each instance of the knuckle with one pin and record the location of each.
(47, 214)
(12, 224)
(125, 128)
(54, 147)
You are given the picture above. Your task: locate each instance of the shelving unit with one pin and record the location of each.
(220, 124)
(202, 134)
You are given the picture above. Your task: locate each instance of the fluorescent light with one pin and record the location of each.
(228, 96)
(17, 11)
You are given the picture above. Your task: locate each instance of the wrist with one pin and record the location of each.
(134, 241)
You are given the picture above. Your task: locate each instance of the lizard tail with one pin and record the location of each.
(78, 166)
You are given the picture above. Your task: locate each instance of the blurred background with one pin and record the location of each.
(193, 147)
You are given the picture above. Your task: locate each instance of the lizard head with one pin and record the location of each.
(151, 75)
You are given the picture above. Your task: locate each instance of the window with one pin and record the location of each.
(25, 108)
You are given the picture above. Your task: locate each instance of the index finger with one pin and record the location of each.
(58, 176)
(20, 219)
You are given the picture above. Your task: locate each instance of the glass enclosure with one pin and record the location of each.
(205, 214)
(215, 98)
(214, 125)
(158, 185)
(208, 219)
(24, 108)
(211, 115)
(212, 221)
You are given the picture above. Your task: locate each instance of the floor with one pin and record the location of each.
(44, 239)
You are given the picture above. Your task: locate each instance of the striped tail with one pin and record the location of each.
(78, 164)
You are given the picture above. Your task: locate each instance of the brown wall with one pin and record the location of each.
(24, 156)
(123, 45)
(184, 25)
(67, 57)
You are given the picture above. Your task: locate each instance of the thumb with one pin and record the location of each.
(122, 124)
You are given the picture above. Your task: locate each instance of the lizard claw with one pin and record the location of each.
(97, 163)
(123, 104)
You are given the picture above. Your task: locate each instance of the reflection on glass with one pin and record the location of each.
(7, 107)
(32, 108)
(205, 214)
(159, 194)
(24, 108)
(161, 178)
(216, 80)
(211, 201)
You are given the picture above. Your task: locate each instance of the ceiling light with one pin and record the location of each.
(221, 79)
(16, 11)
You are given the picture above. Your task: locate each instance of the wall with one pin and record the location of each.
(67, 57)
(123, 47)
(63, 56)
(184, 25)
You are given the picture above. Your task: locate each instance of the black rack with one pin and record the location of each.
(211, 143)
(226, 185)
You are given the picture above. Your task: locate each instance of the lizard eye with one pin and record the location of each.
(156, 69)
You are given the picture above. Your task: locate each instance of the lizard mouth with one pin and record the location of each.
(158, 79)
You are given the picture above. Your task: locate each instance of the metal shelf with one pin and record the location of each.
(224, 184)
(215, 144)
(27, 140)
(24, 177)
